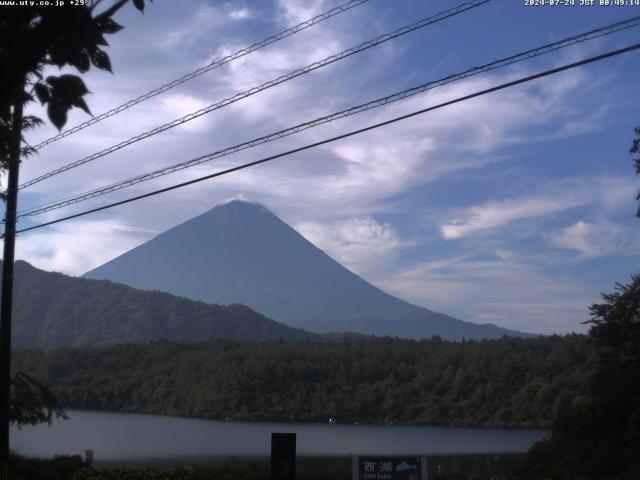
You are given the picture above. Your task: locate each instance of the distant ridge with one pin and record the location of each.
(240, 252)
(53, 310)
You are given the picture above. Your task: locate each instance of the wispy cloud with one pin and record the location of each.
(296, 11)
(243, 13)
(498, 214)
(553, 197)
(592, 240)
(75, 248)
(510, 293)
(336, 193)
(361, 244)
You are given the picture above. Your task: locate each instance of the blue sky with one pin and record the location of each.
(515, 208)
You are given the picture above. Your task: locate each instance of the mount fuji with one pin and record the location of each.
(240, 252)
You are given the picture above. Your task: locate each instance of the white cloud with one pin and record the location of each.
(509, 293)
(239, 196)
(616, 192)
(194, 29)
(498, 214)
(180, 105)
(361, 244)
(241, 14)
(357, 177)
(363, 171)
(592, 240)
(554, 197)
(76, 247)
(296, 11)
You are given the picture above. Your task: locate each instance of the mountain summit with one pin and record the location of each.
(240, 252)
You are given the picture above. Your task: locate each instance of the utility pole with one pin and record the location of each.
(6, 299)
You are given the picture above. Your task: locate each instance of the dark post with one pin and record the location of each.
(6, 300)
(283, 456)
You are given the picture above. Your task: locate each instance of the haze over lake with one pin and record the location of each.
(120, 436)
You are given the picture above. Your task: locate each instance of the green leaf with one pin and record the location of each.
(57, 114)
(108, 25)
(100, 40)
(51, 80)
(80, 103)
(57, 56)
(101, 60)
(65, 91)
(81, 61)
(69, 86)
(74, 84)
(139, 4)
(31, 121)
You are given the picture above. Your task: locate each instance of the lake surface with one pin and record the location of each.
(121, 436)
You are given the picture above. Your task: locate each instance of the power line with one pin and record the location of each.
(207, 68)
(345, 135)
(600, 32)
(271, 83)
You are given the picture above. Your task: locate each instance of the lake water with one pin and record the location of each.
(121, 436)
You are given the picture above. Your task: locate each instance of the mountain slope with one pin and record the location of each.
(54, 310)
(240, 252)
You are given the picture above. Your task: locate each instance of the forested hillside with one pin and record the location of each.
(54, 310)
(505, 382)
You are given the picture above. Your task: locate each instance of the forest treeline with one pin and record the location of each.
(511, 382)
(52, 310)
(598, 435)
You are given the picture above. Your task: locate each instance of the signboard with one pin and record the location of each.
(389, 468)
(283, 456)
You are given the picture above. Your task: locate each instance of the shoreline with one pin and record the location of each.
(337, 423)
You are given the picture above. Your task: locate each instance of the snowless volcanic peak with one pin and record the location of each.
(240, 252)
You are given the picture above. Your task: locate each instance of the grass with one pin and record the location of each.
(467, 467)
